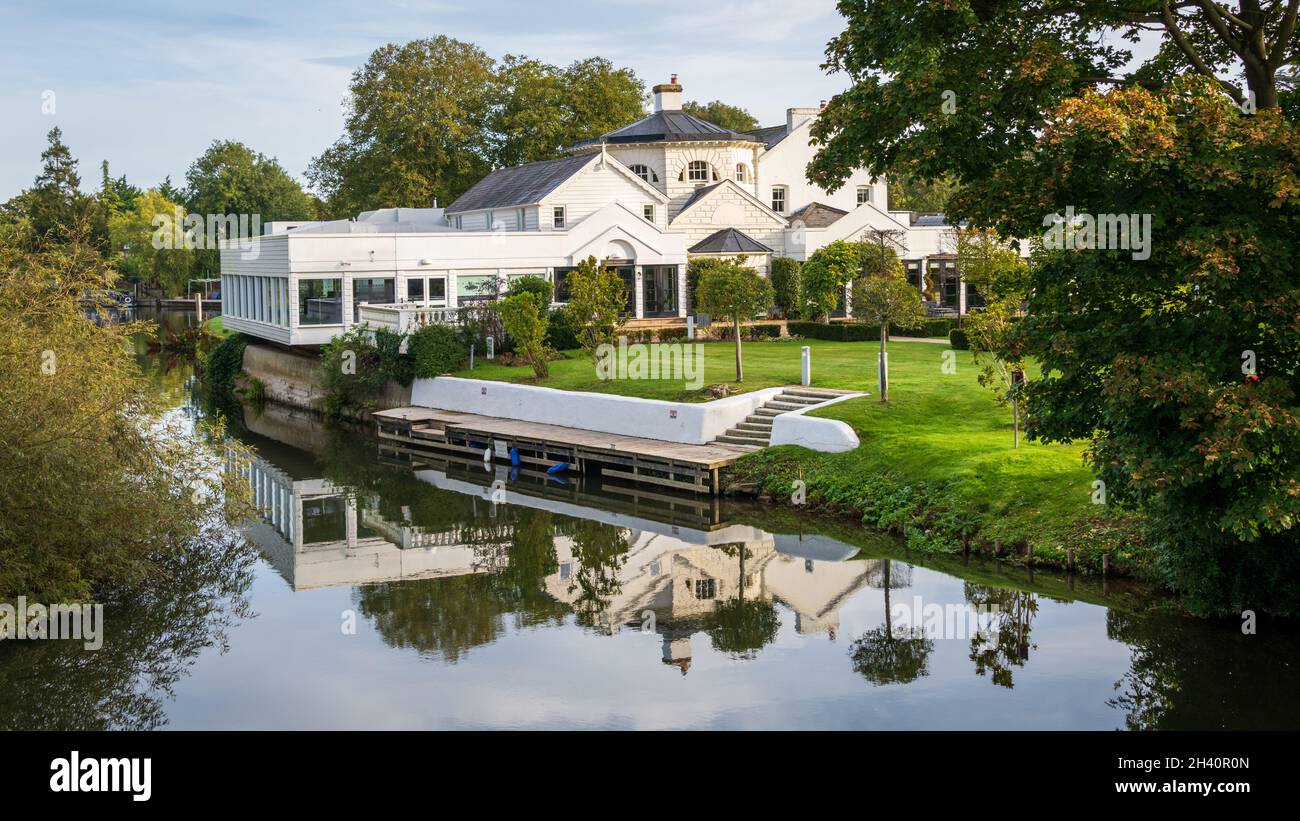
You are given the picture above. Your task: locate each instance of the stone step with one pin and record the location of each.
(819, 393)
(767, 412)
(736, 433)
(733, 440)
(777, 404)
(765, 421)
(800, 400)
(757, 427)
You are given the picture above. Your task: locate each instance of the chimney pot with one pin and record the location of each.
(823, 104)
(673, 80)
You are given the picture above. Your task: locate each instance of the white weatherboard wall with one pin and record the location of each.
(685, 422)
(825, 435)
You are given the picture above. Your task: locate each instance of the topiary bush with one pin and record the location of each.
(785, 283)
(436, 350)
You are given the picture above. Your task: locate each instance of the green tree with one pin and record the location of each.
(524, 316)
(908, 193)
(115, 195)
(884, 296)
(597, 304)
(824, 276)
(416, 128)
(785, 286)
(736, 292)
(542, 109)
(957, 89)
(231, 178)
(98, 487)
(131, 234)
(720, 113)
(55, 207)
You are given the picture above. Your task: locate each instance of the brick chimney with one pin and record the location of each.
(668, 96)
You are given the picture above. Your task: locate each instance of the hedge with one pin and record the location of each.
(957, 340)
(437, 349)
(836, 331)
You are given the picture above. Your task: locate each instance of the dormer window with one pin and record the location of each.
(644, 172)
(698, 171)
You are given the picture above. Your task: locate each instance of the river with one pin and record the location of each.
(382, 596)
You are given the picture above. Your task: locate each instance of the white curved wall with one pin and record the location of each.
(825, 435)
(686, 422)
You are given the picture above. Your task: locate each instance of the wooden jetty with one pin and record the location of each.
(674, 465)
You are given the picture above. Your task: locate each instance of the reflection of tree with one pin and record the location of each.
(599, 552)
(738, 626)
(445, 617)
(888, 656)
(152, 634)
(1004, 643)
(1187, 674)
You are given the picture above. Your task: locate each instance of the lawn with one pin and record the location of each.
(936, 462)
(216, 327)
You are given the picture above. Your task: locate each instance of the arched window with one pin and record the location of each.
(644, 172)
(698, 171)
(742, 173)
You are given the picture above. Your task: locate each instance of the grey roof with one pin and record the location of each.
(770, 136)
(669, 126)
(930, 220)
(817, 215)
(519, 185)
(729, 241)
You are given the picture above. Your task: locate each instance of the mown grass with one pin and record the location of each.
(936, 463)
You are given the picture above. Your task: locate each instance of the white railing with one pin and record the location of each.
(407, 317)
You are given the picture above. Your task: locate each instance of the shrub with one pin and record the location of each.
(436, 350)
(352, 372)
(538, 286)
(785, 284)
(957, 339)
(397, 366)
(597, 299)
(478, 321)
(224, 362)
(524, 315)
(560, 334)
(836, 331)
(823, 277)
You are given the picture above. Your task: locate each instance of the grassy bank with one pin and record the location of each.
(216, 328)
(936, 464)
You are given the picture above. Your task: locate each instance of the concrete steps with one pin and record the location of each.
(756, 430)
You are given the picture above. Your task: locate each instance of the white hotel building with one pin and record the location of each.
(645, 199)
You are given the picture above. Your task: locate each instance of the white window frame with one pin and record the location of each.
(864, 194)
(742, 172)
(648, 211)
(697, 165)
(559, 216)
(519, 219)
(784, 197)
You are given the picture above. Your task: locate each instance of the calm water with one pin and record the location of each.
(382, 596)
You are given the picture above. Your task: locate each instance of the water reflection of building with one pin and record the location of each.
(317, 535)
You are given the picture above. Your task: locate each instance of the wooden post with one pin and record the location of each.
(198, 306)
(997, 548)
(1105, 565)
(1069, 559)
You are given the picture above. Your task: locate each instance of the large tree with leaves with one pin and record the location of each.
(723, 114)
(1031, 108)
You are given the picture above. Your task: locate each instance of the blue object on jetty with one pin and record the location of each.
(514, 457)
(560, 468)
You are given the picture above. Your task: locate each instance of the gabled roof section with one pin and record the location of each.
(729, 241)
(701, 194)
(519, 185)
(606, 161)
(770, 135)
(816, 215)
(669, 126)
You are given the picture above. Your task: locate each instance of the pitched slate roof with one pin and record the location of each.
(669, 126)
(729, 241)
(519, 185)
(817, 215)
(769, 136)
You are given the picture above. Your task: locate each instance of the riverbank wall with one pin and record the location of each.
(292, 378)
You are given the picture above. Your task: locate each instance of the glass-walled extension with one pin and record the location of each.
(320, 301)
(256, 298)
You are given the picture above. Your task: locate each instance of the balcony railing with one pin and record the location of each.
(405, 317)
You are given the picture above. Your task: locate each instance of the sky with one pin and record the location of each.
(149, 85)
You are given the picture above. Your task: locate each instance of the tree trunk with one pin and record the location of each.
(740, 370)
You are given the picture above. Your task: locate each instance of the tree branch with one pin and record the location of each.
(1176, 34)
(1284, 34)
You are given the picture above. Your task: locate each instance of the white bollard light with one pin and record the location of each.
(806, 366)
